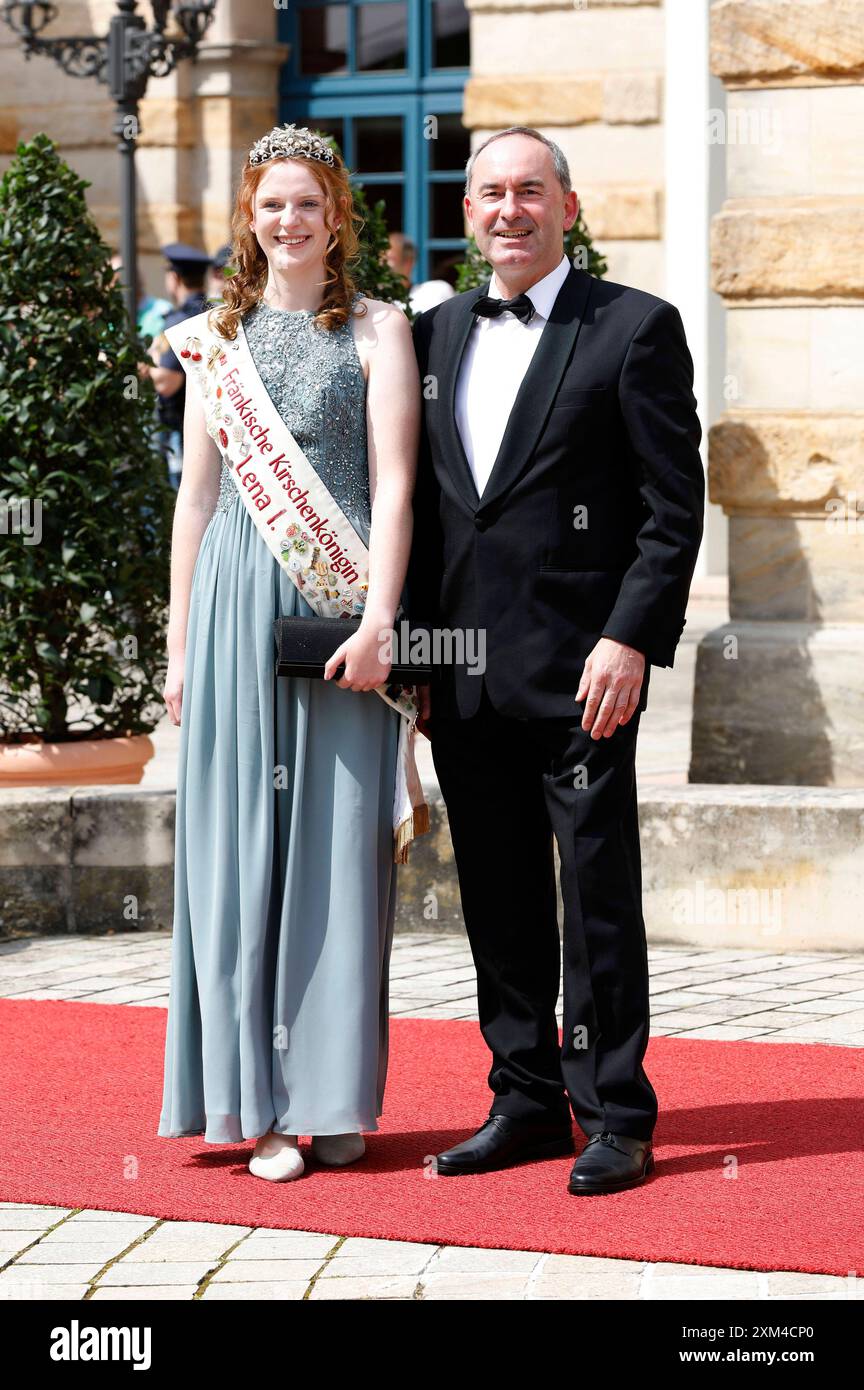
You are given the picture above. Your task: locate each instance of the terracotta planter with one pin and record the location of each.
(81, 762)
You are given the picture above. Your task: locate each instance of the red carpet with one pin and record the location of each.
(83, 1088)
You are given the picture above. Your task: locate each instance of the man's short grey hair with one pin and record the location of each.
(562, 169)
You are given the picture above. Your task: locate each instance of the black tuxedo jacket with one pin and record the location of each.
(605, 422)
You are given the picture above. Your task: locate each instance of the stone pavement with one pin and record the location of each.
(60, 1253)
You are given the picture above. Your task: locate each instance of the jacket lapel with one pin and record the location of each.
(533, 399)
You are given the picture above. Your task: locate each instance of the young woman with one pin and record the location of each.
(285, 877)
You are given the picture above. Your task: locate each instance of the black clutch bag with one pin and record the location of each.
(305, 645)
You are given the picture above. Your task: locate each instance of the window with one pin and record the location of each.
(386, 78)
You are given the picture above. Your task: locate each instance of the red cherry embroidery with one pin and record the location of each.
(184, 352)
(196, 357)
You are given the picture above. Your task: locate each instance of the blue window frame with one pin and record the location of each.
(386, 78)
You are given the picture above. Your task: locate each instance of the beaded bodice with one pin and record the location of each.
(315, 380)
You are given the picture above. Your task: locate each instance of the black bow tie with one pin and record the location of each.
(521, 306)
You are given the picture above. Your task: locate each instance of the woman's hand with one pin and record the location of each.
(173, 692)
(363, 668)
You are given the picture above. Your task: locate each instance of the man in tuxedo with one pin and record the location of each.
(559, 510)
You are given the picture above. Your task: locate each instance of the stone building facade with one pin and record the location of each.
(716, 149)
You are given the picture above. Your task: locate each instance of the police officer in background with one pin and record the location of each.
(185, 279)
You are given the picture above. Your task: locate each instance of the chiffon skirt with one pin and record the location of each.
(284, 886)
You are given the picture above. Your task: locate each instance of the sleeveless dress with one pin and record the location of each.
(284, 883)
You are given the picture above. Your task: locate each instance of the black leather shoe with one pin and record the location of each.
(610, 1163)
(502, 1142)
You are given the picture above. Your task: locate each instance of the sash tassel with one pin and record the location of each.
(410, 811)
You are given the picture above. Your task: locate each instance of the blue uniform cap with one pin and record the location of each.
(186, 259)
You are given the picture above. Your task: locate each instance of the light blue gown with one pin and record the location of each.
(284, 880)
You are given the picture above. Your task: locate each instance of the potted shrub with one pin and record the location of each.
(85, 558)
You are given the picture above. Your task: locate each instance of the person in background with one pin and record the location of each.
(185, 279)
(216, 276)
(401, 258)
(152, 311)
(401, 255)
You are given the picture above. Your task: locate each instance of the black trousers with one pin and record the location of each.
(509, 785)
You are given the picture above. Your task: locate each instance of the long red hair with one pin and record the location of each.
(244, 289)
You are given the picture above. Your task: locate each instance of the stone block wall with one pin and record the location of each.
(195, 126)
(779, 694)
(590, 77)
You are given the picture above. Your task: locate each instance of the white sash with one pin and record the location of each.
(302, 525)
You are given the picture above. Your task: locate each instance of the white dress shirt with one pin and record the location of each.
(496, 358)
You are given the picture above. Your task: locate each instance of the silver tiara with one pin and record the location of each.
(289, 141)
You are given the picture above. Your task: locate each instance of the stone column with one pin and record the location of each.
(779, 693)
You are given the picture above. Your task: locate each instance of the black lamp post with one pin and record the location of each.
(125, 59)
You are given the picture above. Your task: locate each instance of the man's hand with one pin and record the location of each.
(612, 679)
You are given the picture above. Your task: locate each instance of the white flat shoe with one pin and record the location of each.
(338, 1149)
(276, 1157)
